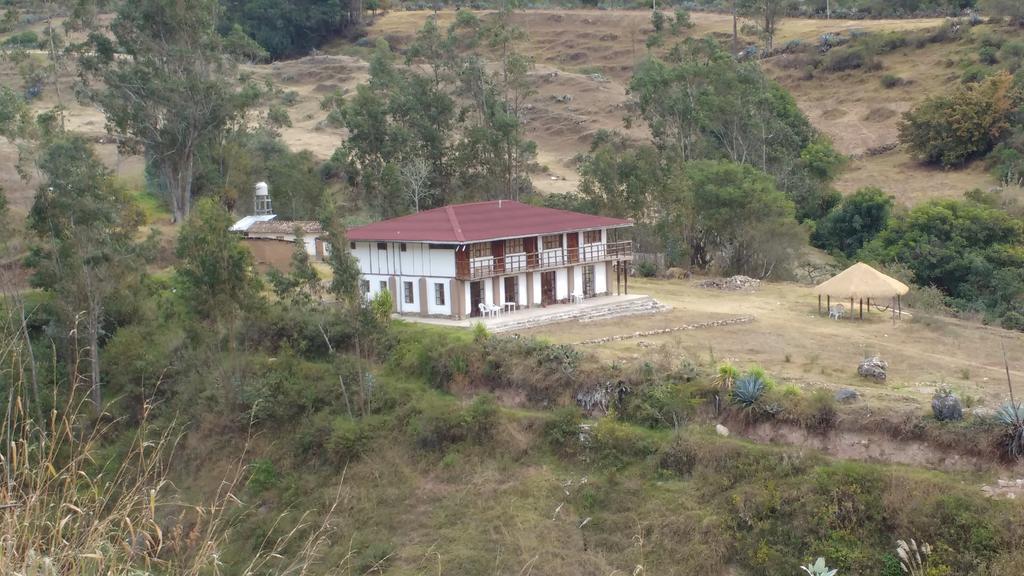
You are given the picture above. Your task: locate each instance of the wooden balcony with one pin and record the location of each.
(485, 267)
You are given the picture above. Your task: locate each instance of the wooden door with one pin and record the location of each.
(547, 287)
(573, 246)
(511, 289)
(476, 296)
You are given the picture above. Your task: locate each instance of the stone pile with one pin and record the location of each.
(732, 283)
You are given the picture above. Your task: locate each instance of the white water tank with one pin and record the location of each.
(261, 201)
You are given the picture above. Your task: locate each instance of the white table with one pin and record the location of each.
(511, 306)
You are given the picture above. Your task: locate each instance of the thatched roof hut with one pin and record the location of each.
(861, 282)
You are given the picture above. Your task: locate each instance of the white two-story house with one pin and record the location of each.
(447, 261)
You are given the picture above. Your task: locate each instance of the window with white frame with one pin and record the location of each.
(592, 237)
(410, 297)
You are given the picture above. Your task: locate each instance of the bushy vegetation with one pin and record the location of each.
(855, 222)
(969, 249)
(967, 124)
(289, 28)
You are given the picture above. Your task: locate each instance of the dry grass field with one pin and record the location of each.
(797, 346)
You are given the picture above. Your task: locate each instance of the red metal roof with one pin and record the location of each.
(478, 221)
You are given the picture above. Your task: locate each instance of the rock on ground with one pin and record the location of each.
(873, 367)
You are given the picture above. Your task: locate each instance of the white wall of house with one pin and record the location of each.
(418, 259)
(437, 266)
(433, 308)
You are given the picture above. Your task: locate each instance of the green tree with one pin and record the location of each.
(733, 219)
(700, 103)
(973, 252)
(164, 83)
(216, 270)
(84, 228)
(242, 46)
(344, 266)
(952, 129)
(622, 179)
(287, 28)
(855, 222)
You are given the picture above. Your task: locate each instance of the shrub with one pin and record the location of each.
(974, 74)
(817, 411)
(348, 439)
(848, 58)
(988, 55)
(27, 39)
(1012, 320)
(382, 305)
(682, 20)
(951, 129)
(262, 476)
(481, 418)
(438, 424)
(618, 444)
(891, 81)
(562, 430)
(646, 269)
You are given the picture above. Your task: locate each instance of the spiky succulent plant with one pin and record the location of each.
(819, 568)
(1012, 417)
(747, 390)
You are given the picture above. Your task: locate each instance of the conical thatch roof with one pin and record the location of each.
(861, 281)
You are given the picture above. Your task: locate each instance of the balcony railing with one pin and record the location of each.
(544, 259)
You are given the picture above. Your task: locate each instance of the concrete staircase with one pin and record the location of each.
(587, 312)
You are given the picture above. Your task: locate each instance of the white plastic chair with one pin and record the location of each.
(577, 298)
(485, 310)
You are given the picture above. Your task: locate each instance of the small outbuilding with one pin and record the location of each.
(860, 283)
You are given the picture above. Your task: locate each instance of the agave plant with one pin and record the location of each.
(819, 568)
(747, 390)
(913, 559)
(1012, 416)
